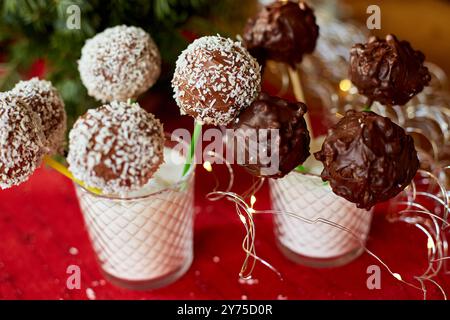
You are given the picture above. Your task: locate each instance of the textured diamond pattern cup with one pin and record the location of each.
(144, 242)
(317, 245)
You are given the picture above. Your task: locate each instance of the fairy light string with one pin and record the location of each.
(436, 240)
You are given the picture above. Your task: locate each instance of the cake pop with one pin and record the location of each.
(367, 158)
(215, 78)
(116, 148)
(388, 71)
(267, 113)
(45, 100)
(119, 63)
(22, 140)
(283, 31)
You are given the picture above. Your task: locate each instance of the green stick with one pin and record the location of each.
(195, 136)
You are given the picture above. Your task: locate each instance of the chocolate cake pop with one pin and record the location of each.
(119, 63)
(293, 144)
(283, 31)
(116, 147)
(45, 100)
(22, 140)
(215, 78)
(388, 71)
(367, 158)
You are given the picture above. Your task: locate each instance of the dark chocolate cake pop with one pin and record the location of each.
(388, 71)
(283, 31)
(267, 113)
(367, 158)
(119, 63)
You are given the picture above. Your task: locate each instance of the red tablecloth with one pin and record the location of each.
(42, 232)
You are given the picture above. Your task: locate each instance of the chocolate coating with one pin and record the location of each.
(388, 71)
(367, 158)
(268, 112)
(282, 31)
(22, 140)
(116, 148)
(214, 79)
(46, 101)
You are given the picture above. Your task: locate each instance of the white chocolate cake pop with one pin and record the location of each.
(116, 147)
(22, 140)
(215, 78)
(44, 99)
(119, 63)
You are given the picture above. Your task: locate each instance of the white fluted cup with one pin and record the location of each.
(143, 242)
(318, 244)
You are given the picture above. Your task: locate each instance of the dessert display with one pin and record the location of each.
(44, 99)
(388, 70)
(267, 113)
(116, 147)
(22, 141)
(135, 183)
(367, 158)
(119, 63)
(215, 78)
(283, 31)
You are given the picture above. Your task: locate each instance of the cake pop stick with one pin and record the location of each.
(116, 148)
(52, 163)
(296, 82)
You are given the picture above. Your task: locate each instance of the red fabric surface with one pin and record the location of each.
(40, 221)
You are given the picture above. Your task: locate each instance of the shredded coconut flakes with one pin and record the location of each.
(215, 78)
(116, 147)
(119, 63)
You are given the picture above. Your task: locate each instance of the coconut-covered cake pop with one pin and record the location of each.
(367, 158)
(388, 70)
(22, 140)
(282, 31)
(116, 148)
(119, 63)
(215, 78)
(293, 139)
(45, 100)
